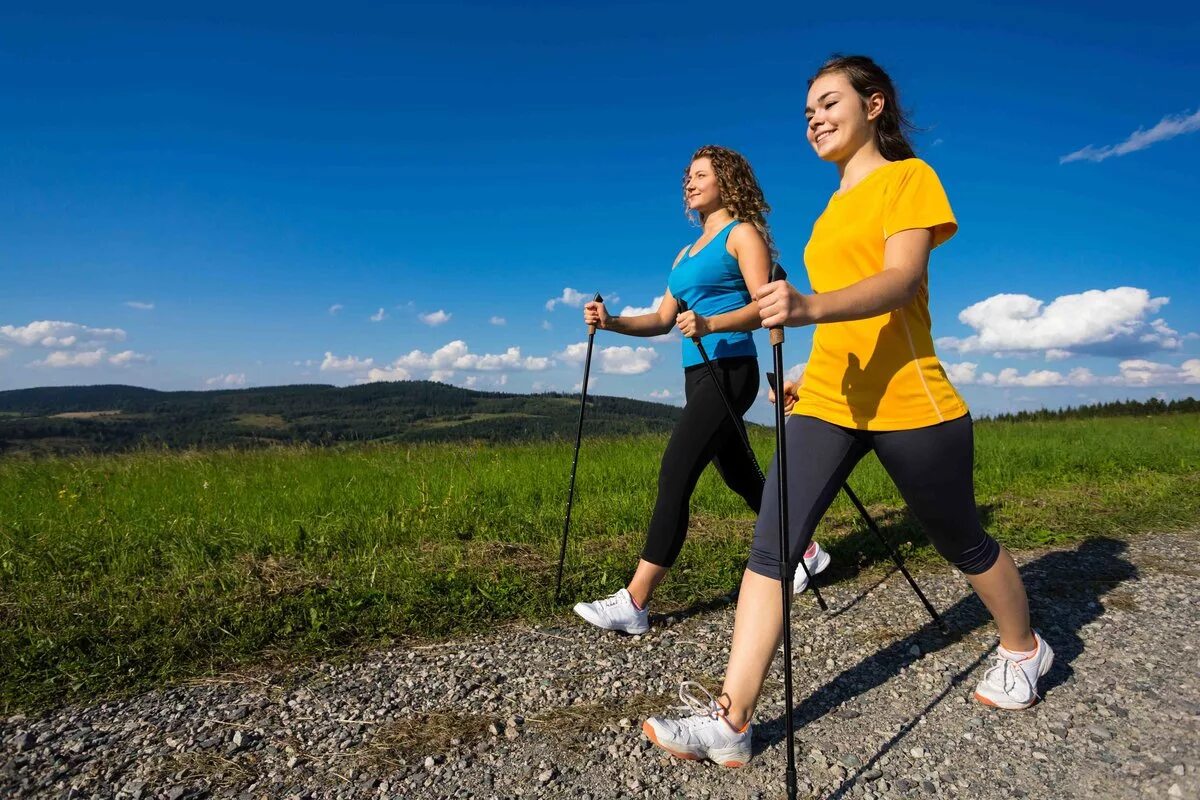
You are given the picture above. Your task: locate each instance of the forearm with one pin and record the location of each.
(641, 325)
(744, 319)
(870, 297)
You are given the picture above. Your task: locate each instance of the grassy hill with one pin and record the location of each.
(119, 572)
(68, 419)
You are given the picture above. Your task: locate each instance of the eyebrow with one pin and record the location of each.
(821, 99)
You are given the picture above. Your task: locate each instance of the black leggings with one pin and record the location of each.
(704, 433)
(931, 466)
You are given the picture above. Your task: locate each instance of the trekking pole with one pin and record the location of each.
(587, 366)
(712, 373)
(777, 274)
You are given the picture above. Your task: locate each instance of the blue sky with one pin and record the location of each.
(229, 196)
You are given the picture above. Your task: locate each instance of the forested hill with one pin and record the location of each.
(114, 418)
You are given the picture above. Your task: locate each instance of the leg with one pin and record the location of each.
(734, 464)
(823, 456)
(932, 467)
(691, 447)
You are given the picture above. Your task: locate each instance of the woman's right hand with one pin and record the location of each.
(791, 393)
(594, 313)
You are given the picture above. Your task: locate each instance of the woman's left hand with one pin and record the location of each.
(692, 325)
(779, 304)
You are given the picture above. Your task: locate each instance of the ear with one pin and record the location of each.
(875, 104)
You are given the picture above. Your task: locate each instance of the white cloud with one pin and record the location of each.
(388, 374)
(795, 373)
(1139, 372)
(634, 311)
(484, 381)
(1168, 127)
(1099, 322)
(348, 364)
(140, 306)
(621, 360)
(457, 356)
(60, 359)
(546, 325)
(127, 357)
(335, 308)
(961, 373)
(569, 297)
(661, 394)
(1135, 372)
(230, 380)
(51, 333)
(498, 321)
(435, 318)
(4, 352)
(379, 316)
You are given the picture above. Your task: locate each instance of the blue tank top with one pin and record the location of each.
(711, 283)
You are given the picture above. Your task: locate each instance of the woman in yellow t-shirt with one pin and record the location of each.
(872, 383)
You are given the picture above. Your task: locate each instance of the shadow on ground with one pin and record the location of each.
(1065, 589)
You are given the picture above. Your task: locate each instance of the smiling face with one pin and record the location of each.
(700, 191)
(840, 123)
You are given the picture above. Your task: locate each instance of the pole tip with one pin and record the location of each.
(778, 273)
(597, 298)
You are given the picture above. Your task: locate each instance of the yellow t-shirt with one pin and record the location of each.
(879, 373)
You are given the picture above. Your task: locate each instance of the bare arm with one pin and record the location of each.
(905, 260)
(656, 323)
(754, 260)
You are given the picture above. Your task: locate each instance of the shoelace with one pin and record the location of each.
(699, 711)
(1007, 666)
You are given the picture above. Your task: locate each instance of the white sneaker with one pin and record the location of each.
(615, 613)
(817, 562)
(1012, 683)
(705, 734)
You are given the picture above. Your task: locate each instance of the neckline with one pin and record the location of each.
(690, 254)
(838, 194)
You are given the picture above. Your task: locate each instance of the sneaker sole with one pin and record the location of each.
(1017, 706)
(648, 729)
(635, 632)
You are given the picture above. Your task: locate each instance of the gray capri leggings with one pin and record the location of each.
(931, 466)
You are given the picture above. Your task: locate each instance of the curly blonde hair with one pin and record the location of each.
(740, 192)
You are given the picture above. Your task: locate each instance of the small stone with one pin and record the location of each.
(851, 761)
(1098, 734)
(547, 775)
(873, 774)
(495, 728)
(928, 787)
(917, 752)
(510, 732)
(176, 792)
(1174, 791)
(429, 762)
(914, 650)
(24, 741)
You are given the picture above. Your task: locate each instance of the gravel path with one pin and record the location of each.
(884, 707)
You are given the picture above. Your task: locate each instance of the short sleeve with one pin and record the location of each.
(916, 199)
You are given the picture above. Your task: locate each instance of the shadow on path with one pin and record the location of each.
(1064, 589)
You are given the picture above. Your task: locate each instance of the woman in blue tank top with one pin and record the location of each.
(716, 276)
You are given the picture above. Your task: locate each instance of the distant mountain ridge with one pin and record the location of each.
(112, 418)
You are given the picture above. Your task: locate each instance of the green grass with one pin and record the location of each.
(120, 572)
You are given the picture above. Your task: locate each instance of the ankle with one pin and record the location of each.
(639, 602)
(738, 718)
(1020, 644)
